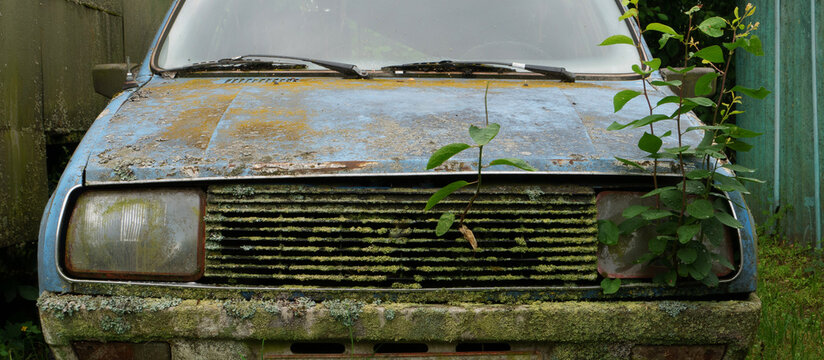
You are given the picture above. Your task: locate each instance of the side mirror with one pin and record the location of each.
(109, 79)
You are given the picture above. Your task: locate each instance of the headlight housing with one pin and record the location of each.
(152, 234)
(619, 261)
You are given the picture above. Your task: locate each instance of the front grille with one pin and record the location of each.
(369, 237)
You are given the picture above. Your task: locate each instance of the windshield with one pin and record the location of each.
(378, 33)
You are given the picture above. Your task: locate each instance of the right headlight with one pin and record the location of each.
(136, 234)
(619, 261)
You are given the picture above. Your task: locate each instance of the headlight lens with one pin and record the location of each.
(136, 234)
(618, 261)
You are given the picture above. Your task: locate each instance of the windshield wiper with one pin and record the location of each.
(249, 62)
(558, 73)
(343, 68)
(238, 64)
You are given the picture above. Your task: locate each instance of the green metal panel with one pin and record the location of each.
(140, 25)
(75, 37)
(789, 154)
(22, 147)
(47, 50)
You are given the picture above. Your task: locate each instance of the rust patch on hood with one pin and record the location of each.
(275, 168)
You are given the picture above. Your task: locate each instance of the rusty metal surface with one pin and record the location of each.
(208, 128)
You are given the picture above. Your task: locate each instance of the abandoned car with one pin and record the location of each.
(258, 191)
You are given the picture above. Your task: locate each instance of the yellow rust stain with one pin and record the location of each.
(277, 125)
(195, 126)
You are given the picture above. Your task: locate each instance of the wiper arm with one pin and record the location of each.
(472, 66)
(343, 68)
(238, 64)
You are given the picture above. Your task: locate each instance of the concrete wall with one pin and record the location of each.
(789, 155)
(46, 91)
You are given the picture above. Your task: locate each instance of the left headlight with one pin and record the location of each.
(137, 235)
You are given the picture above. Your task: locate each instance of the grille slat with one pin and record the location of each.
(325, 236)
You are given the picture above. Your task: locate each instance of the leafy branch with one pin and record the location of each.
(693, 213)
(481, 136)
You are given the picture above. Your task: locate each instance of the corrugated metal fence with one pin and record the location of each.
(789, 155)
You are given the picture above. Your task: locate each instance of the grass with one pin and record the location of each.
(791, 287)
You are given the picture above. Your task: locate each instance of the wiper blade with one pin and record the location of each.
(343, 68)
(558, 73)
(238, 64)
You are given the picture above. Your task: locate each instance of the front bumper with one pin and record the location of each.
(546, 330)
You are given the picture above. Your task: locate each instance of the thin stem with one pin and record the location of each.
(486, 108)
(678, 129)
(651, 128)
(477, 187)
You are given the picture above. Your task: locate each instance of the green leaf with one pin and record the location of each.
(739, 146)
(713, 27)
(645, 258)
(713, 230)
(751, 45)
(634, 211)
(444, 153)
(610, 286)
(728, 220)
(518, 163)
(681, 71)
(672, 199)
(710, 280)
(726, 183)
(668, 100)
(698, 174)
(670, 277)
(658, 245)
(687, 255)
(724, 262)
(711, 54)
(650, 119)
(693, 10)
(653, 64)
(608, 232)
(617, 39)
(654, 214)
(754, 46)
(630, 163)
(700, 101)
(701, 209)
(630, 13)
(687, 232)
(629, 226)
(444, 223)
(661, 28)
(444, 192)
(616, 126)
(753, 93)
(738, 168)
(703, 86)
(693, 187)
(28, 292)
(657, 191)
(675, 83)
(677, 150)
(738, 132)
(622, 98)
(483, 136)
(650, 143)
(752, 180)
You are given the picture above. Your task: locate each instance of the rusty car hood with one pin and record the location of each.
(268, 127)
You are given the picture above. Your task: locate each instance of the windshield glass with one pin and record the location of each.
(377, 33)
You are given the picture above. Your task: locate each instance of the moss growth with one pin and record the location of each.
(115, 324)
(673, 308)
(240, 309)
(345, 311)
